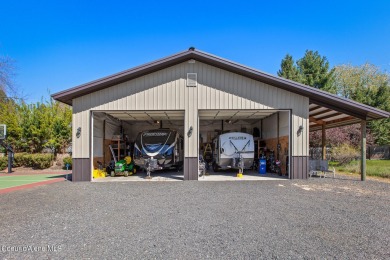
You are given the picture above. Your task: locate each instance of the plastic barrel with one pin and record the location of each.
(262, 166)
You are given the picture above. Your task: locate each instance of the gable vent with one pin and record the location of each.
(192, 80)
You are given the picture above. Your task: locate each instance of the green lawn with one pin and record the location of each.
(13, 181)
(378, 168)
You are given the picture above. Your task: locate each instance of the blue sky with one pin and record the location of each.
(60, 45)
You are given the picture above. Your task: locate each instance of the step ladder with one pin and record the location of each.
(208, 153)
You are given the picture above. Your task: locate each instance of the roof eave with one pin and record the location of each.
(66, 96)
(315, 95)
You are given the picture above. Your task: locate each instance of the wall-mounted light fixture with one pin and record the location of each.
(78, 133)
(228, 121)
(157, 121)
(300, 130)
(189, 133)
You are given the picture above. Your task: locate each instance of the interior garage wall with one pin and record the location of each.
(132, 129)
(98, 137)
(217, 89)
(112, 127)
(270, 125)
(104, 127)
(208, 128)
(98, 140)
(270, 135)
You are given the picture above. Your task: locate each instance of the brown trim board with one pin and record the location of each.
(300, 167)
(190, 168)
(81, 169)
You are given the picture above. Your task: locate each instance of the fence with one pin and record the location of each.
(373, 152)
(378, 152)
(315, 153)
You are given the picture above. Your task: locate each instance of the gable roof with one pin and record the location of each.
(315, 96)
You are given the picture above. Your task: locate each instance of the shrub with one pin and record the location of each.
(344, 154)
(3, 163)
(20, 159)
(67, 160)
(42, 161)
(37, 161)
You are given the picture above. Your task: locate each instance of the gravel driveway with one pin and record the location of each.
(343, 219)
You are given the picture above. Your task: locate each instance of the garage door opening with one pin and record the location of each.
(257, 141)
(137, 145)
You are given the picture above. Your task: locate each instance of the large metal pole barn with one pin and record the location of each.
(193, 81)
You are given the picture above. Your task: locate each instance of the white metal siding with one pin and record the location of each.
(166, 90)
(80, 146)
(98, 137)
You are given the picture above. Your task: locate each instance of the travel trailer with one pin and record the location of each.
(233, 151)
(159, 149)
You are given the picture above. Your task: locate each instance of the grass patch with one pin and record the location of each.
(378, 168)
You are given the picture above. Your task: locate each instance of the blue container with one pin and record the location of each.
(262, 166)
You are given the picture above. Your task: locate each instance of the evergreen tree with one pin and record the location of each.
(315, 71)
(312, 70)
(33, 127)
(289, 70)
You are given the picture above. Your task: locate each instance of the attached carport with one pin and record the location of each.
(327, 115)
(199, 84)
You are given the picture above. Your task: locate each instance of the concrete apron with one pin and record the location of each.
(142, 176)
(178, 176)
(247, 176)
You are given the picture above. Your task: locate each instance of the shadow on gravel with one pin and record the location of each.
(69, 177)
(65, 176)
(57, 176)
(336, 178)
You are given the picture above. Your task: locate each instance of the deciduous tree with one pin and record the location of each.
(7, 69)
(369, 85)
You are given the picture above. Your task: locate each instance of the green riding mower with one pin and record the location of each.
(124, 167)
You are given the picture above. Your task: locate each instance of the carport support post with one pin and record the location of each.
(363, 155)
(323, 136)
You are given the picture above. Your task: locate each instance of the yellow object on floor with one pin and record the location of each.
(239, 175)
(99, 174)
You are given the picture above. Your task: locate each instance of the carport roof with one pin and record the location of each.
(346, 111)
